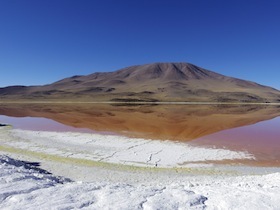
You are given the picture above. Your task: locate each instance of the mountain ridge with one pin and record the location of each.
(183, 82)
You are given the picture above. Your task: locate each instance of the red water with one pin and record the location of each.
(261, 139)
(253, 129)
(39, 124)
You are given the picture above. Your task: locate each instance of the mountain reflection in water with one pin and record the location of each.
(172, 122)
(251, 128)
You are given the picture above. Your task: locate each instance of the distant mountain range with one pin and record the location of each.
(166, 82)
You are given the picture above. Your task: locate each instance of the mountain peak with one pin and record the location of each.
(167, 71)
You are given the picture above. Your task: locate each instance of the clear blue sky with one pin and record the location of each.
(42, 41)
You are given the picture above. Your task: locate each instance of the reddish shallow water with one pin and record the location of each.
(39, 124)
(254, 129)
(261, 139)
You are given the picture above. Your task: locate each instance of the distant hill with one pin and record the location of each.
(165, 82)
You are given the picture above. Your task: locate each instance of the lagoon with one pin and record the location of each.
(253, 129)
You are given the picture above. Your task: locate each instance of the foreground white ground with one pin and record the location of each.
(112, 172)
(23, 186)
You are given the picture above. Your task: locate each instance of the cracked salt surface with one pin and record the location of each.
(24, 186)
(118, 149)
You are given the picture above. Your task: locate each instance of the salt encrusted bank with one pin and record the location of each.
(114, 172)
(117, 149)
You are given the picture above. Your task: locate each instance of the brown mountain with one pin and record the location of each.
(151, 82)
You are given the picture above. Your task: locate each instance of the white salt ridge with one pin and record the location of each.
(25, 187)
(119, 149)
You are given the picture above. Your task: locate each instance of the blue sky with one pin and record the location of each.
(47, 40)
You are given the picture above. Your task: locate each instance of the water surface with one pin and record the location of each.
(252, 128)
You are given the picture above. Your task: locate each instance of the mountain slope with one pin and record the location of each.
(150, 82)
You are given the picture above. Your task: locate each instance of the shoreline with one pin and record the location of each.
(85, 166)
(116, 149)
(91, 172)
(139, 103)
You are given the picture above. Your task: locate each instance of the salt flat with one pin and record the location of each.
(116, 149)
(114, 172)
